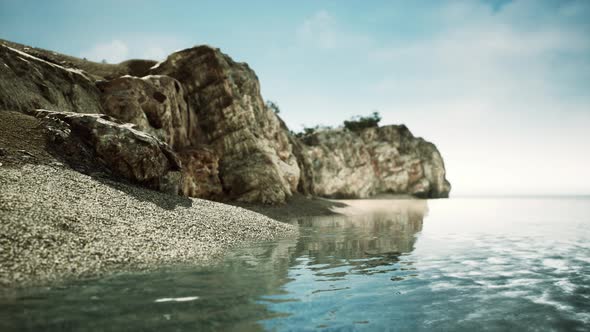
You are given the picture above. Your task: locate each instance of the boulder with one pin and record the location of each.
(126, 152)
(256, 163)
(388, 159)
(27, 83)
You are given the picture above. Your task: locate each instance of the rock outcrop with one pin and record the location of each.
(256, 163)
(128, 153)
(196, 124)
(388, 159)
(155, 104)
(27, 83)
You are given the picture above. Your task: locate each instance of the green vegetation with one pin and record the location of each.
(311, 130)
(359, 123)
(273, 106)
(355, 124)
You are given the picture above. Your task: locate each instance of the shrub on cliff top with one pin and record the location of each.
(273, 106)
(358, 123)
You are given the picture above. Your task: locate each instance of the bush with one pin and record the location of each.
(359, 123)
(307, 131)
(273, 106)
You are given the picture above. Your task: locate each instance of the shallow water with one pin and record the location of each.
(494, 264)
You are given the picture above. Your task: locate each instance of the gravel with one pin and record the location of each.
(57, 224)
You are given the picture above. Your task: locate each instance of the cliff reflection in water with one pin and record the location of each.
(340, 260)
(369, 232)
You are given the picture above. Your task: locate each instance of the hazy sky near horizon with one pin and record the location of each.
(501, 87)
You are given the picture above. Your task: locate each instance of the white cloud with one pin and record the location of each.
(318, 30)
(156, 47)
(114, 51)
(323, 31)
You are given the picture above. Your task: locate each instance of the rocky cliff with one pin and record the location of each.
(202, 114)
(348, 164)
(255, 158)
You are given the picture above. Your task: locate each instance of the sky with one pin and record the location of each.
(501, 87)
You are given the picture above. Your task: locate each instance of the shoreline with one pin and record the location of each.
(58, 224)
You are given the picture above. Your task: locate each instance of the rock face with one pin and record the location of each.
(196, 124)
(256, 161)
(200, 173)
(387, 159)
(27, 83)
(129, 153)
(155, 104)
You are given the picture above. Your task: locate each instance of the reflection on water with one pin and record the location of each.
(369, 242)
(460, 264)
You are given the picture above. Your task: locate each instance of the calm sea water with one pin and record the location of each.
(495, 264)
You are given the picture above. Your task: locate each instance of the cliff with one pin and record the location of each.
(348, 164)
(196, 124)
(255, 158)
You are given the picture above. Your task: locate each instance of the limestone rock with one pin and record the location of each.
(155, 104)
(127, 152)
(387, 159)
(200, 173)
(256, 161)
(201, 109)
(27, 83)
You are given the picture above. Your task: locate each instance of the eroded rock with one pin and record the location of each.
(126, 152)
(207, 109)
(256, 160)
(155, 104)
(387, 159)
(200, 173)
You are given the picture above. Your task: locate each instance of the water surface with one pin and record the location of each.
(493, 264)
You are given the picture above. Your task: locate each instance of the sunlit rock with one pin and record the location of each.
(155, 104)
(126, 152)
(256, 160)
(386, 159)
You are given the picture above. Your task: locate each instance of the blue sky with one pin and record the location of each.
(502, 87)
